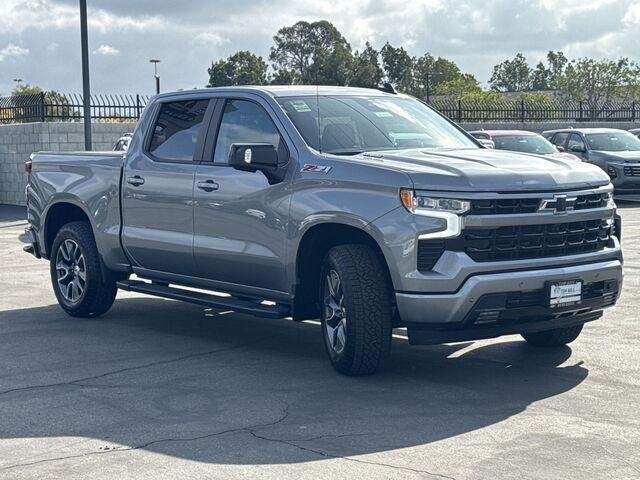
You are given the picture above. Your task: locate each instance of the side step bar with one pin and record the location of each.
(223, 303)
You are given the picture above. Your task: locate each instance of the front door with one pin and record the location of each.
(240, 219)
(157, 189)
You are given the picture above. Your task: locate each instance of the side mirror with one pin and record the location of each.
(560, 148)
(253, 157)
(486, 143)
(577, 149)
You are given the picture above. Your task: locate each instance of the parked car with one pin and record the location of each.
(365, 209)
(635, 131)
(523, 141)
(123, 143)
(483, 138)
(617, 152)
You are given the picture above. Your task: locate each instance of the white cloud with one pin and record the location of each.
(210, 39)
(106, 50)
(12, 50)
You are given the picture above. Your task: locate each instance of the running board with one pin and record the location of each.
(222, 303)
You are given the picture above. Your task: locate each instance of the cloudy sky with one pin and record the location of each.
(39, 39)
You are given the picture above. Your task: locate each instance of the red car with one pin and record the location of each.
(523, 141)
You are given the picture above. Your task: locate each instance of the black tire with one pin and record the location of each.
(97, 295)
(367, 310)
(553, 338)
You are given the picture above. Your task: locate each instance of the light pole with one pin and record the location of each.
(427, 84)
(86, 90)
(155, 62)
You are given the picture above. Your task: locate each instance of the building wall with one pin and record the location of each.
(17, 142)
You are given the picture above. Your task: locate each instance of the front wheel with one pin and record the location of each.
(553, 338)
(76, 274)
(356, 314)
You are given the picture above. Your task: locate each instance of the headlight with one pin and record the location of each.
(610, 201)
(422, 205)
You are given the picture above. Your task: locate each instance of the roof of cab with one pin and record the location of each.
(287, 90)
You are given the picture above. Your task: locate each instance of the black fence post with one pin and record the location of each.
(42, 107)
(581, 111)
(459, 111)
(633, 111)
(522, 110)
(138, 106)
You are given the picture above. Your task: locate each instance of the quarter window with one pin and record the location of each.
(176, 130)
(244, 122)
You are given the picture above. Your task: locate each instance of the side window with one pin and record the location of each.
(576, 143)
(244, 122)
(176, 130)
(559, 139)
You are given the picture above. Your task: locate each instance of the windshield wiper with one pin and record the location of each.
(347, 152)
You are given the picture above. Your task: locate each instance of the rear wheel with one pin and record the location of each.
(76, 274)
(356, 314)
(553, 338)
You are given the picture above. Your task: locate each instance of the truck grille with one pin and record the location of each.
(533, 241)
(632, 171)
(510, 206)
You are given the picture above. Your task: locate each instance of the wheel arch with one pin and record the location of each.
(312, 248)
(58, 214)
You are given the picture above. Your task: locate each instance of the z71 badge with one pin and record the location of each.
(315, 168)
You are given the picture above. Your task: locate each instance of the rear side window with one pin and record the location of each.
(176, 130)
(244, 122)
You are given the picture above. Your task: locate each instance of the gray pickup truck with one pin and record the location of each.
(363, 208)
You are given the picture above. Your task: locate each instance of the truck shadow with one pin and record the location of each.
(230, 389)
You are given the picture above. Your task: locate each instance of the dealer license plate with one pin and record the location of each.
(562, 294)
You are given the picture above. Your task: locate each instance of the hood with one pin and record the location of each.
(623, 157)
(481, 169)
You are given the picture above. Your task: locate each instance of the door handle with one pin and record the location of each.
(136, 180)
(208, 186)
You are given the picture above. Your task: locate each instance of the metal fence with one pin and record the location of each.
(535, 111)
(57, 107)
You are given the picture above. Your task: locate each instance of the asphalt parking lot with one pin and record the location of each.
(165, 390)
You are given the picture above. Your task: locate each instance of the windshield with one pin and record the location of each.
(349, 125)
(613, 141)
(524, 143)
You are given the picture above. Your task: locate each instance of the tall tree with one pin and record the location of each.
(511, 75)
(398, 67)
(241, 68)
(311, 53)
(366, 68)
(597, 82)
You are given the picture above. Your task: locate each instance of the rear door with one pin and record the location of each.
(240, 218)
(157, 188)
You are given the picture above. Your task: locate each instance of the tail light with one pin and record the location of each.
(27, 168)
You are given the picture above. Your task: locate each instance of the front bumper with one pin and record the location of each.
(508, 299)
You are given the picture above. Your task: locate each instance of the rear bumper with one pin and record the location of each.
(506, 299)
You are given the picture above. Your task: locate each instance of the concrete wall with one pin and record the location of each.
(17, 142)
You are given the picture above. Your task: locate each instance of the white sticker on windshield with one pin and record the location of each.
(300, 106)
(383, 114)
